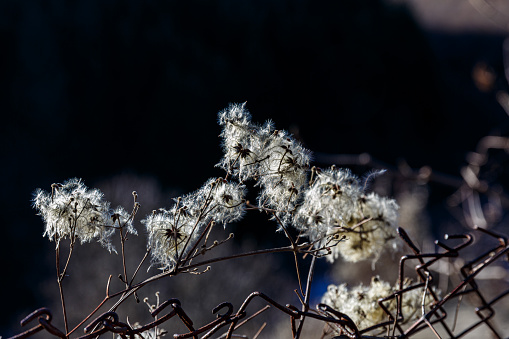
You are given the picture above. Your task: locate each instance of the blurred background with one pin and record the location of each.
(125, 95)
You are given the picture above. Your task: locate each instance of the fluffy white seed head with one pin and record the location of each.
(170, 235)
(235, 113)
(73, 211)
(360, 303)
(240, 144)
(173, 233)
(335, 207)
(228, 204)
(273, 158)
(283, 175)
(329, 203)
(369, 231)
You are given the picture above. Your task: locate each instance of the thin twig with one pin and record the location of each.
(305, 306)
(60, 277)
(139, 265)
(260, 330)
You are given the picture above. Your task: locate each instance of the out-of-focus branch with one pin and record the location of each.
(403, 169)
(469, 187)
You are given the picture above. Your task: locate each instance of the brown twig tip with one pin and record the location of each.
(108, 286)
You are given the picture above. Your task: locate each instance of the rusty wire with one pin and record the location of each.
(109, 321)
(467, 286)
(396, 325)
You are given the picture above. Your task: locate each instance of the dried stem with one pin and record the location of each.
(305, 306)
(60, 277)
(122, 242)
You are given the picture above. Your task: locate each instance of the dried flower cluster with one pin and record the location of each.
(172, 233)
(360, 303)
(334, 205)
(369, 231)
(272, 157)
(332, 210)
(73, 211)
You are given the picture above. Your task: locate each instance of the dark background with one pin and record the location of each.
(94, 89)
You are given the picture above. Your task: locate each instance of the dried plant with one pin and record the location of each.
(320, 212)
